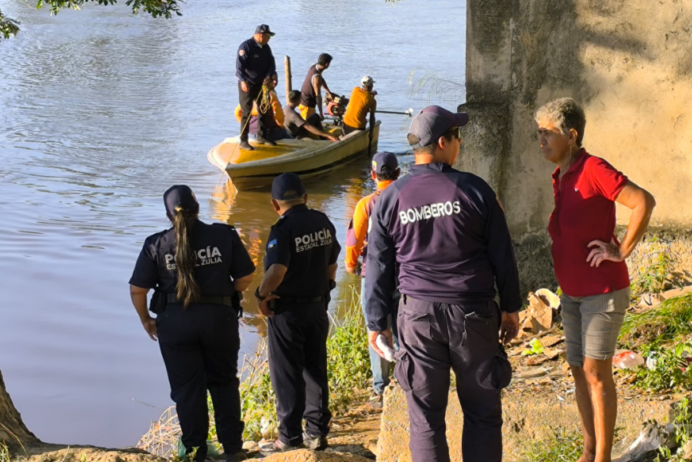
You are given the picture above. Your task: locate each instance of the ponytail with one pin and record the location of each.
(187, 288)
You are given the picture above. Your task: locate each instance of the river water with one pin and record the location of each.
(100, 112)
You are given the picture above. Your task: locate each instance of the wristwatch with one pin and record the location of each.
(258, 296)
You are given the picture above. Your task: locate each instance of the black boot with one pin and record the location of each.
(245, 145)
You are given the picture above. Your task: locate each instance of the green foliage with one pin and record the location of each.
(258, 403)
(349, 360)
(671, 370)
(536, 348)
(670, 321)
(156, 8)
(8, 26)
(561, 446)
(653, 279)
(682, 424)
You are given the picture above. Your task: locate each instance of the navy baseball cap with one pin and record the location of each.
(384, 162)
(180, 194)
(287, 186)
(431, 123)
(264, 29)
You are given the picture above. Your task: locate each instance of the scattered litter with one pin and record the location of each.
(549, 298)
(552, 340)
(628, 360)
(538, 317)
(535, 348)
(650, 439)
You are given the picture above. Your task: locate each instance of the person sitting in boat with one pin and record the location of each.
(273, 121)
(311, 93)
(299, 127)
(361, 103)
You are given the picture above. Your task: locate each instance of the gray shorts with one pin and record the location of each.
(592, 324)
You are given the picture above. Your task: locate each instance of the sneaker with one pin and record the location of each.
(262, 140)
(375, 401)
(315, 443)
(276, 447)
(245, 145)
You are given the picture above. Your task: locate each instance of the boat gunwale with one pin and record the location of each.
(301, 154)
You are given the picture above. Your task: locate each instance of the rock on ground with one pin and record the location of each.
(60, 453)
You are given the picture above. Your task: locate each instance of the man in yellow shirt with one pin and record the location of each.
(361, 103)
(385, 170)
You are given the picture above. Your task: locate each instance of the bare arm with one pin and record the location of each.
(372, 115)
(241, 284)
(139, 300)
(642, 204)
(316, 131)
(272, 279)
(317, 87)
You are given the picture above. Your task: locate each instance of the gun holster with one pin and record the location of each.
(158, 302)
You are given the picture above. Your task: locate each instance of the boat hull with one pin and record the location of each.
(307, 158)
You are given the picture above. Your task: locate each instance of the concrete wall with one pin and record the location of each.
(628, 62)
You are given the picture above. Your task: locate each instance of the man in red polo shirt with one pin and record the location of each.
(590, 264)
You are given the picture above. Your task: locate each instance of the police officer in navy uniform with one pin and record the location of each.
(198, 271)
(300, 271)
(255, 66)
(446, 232)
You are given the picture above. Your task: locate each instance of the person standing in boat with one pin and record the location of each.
(255, 67)
(311, 92)
(199, 272)
(361, 103)
(298, 127)
(300, 271)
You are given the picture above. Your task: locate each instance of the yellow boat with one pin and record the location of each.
(306, 157)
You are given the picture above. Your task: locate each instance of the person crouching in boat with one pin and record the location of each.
(273, 120)
(299, 127)
(361, 103)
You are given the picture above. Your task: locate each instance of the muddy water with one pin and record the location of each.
(99, 113)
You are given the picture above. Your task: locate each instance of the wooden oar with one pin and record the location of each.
(408, 113)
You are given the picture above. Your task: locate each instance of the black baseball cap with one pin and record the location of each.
(384, 162)
(180, 194)
(264, 29)
(287, 186)
(431, 123)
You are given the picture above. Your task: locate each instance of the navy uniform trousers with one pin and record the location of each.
(298, 367)
(200, 347)
(246, 100)
(433, 338)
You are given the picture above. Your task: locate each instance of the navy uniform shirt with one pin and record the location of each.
(304, 240)
(254, 62)
(447, 233)
(220, 259)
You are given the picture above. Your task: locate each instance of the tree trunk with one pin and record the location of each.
(12, 429)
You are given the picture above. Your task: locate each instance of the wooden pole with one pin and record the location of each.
(287, 73)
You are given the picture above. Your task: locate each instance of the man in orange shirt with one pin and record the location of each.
(361, 103)
(385, 170)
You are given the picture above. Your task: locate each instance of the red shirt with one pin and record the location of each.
(585, 211)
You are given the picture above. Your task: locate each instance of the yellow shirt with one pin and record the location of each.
(276, 107)
(361, 102)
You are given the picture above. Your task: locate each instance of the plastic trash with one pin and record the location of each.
(628, 360)
(211, 449)
(388, 351)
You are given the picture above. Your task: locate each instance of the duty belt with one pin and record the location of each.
(213, 299)
(286, 299)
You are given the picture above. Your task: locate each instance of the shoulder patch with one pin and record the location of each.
(271, 244)
(241, 52)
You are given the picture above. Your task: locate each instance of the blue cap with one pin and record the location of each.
(180, 194)
(287, 186)
(384, 162)
(433, 122)
(264, 29)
